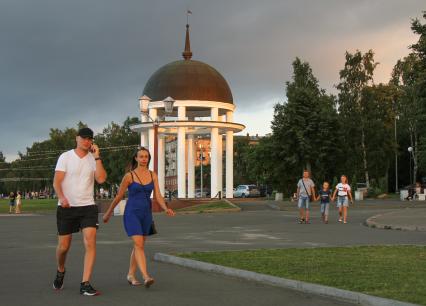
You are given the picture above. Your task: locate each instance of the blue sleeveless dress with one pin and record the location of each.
(137, 217)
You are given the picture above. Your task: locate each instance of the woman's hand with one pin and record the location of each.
(107, 216)
(170, 212)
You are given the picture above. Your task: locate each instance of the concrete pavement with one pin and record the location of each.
(28, 244)
(409, 219)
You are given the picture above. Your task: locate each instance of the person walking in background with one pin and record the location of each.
(137, 219)
(12, 202)
(324, 195)
(18, 202)
(305, 190)
(75, 175)
(344, 194)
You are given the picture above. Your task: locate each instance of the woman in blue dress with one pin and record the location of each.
(137, 219)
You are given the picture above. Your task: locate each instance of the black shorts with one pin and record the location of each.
(71, 220)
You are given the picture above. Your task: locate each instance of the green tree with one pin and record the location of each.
(305, 130)
(405, 78)
(354, 77)
(241, 166)
(118, 144)
(378, 105)
(3, 166)
(419, 49)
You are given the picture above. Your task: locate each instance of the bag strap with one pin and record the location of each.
(305, 188)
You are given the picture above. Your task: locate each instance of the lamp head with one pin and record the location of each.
(410, 149)
(144, 103)
(168, 105)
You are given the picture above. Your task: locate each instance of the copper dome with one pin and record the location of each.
(188, 80)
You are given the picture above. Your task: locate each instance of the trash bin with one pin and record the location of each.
(403, 194)
(279, 196)
(359, 195)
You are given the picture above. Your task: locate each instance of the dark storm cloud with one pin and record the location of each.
(66, 61)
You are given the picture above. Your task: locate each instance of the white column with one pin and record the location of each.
(153, 115)
(219, 164)
(161, 163)
(181, 173)
(191, 167)
(229, 158)
(144, 134)
(220, 159)
(213, 154)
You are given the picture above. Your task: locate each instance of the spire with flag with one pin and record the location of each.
(188, 12)
(187, 54)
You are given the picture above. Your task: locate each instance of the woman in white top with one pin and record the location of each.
(18, 202)
(343, 191)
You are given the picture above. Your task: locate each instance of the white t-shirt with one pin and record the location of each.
(79, 179)
(343, 189)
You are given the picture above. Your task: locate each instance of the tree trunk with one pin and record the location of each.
(308, 167)
(364, 158)
(415, 158)
(413, 142)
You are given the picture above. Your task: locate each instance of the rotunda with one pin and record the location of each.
(203, 105)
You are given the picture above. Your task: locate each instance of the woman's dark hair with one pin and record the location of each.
(134, 163)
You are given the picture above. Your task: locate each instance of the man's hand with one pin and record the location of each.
(64, 202)
(106, 216)
(95, 151)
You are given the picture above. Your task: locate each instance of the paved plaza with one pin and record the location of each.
(27, 255)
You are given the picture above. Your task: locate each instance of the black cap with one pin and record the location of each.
(85, 133)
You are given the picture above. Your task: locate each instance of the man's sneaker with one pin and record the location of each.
(58, 283)
(87, 289)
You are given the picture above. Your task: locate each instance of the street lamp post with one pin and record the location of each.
(410, 149)
(144, 102)
(396, 158)
(201, 165)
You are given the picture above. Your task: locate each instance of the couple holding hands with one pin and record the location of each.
(75, 174)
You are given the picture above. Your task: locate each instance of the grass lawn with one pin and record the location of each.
(31, 206)
(396, 272)
(216, 205)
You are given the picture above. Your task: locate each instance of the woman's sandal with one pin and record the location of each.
(148, 282)
(133, 281)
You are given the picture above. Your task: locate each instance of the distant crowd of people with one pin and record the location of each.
(15, 199)
(30, 195)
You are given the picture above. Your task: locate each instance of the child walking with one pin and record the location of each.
(324, 195)
(343, 191)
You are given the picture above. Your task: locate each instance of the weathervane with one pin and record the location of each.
(188, 12)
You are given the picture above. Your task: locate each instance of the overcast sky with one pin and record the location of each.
(64, 61)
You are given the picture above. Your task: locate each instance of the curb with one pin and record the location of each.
(273, 206)
(20, 215)
(373, 223)
(208, 211)
(350, 296)
(232, 204)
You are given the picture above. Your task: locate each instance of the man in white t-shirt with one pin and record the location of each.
(305, 190)
(75, 175)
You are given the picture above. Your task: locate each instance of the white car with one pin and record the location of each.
(243, 191)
